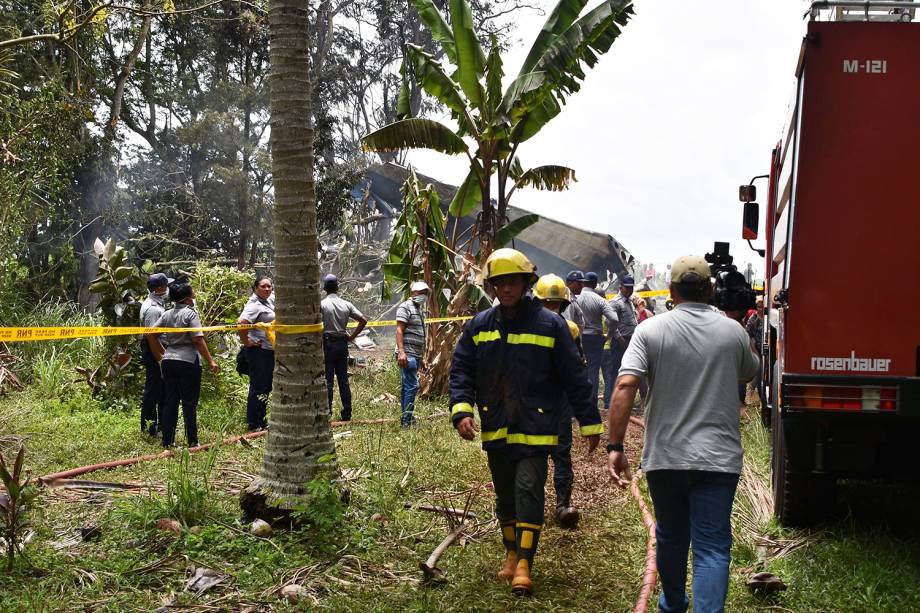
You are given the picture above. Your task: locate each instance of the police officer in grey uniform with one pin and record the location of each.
(260, 352)
(180, 364)
(336, 314)
(151, 310)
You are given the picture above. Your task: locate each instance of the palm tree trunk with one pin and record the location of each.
(299, 445)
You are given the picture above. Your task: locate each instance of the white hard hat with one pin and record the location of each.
(419, 286)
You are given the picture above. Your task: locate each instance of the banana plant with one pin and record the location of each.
(497, 121)
(419, 249)
(120, 286)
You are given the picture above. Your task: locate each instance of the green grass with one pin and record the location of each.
(368, 558)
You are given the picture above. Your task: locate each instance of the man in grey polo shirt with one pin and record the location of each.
(693, 358)
(594, 309)
(410, 347)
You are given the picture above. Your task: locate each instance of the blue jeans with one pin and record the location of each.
(593, 345)
(409, 378)
(693, 506)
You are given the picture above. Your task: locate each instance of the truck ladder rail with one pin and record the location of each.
(867, 10)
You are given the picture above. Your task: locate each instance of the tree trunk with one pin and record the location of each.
(299, 446)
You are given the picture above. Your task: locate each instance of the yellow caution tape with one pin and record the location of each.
(383, 323)
(35, 333)
(645, 294)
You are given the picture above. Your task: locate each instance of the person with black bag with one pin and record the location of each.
(258, 353)
(151, 310)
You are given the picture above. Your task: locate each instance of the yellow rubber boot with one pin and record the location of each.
(521, 585)
(507, 571)
(527, 535)
(509, 540)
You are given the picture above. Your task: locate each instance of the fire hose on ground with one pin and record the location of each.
(82, 470)
(650, 576)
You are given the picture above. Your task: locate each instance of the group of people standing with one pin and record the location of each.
(172, 360)
(607, 325)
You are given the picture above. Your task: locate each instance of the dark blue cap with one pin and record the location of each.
(591, 276)
(330, 278)
(575, 275)
(627, 281)
(157, 280)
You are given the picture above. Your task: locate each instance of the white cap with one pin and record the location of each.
(419, 286)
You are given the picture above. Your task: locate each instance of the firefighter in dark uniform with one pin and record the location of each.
(517, 362)
(556, 297)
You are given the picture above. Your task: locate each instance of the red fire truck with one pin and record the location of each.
(841, 351)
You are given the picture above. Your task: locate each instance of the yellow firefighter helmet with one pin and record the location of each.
(552, 287)
(508, 262)
(573, 329)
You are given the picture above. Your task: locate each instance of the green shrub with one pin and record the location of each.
(221, 292)
(15, 502)
(322, 515)
(188, 489)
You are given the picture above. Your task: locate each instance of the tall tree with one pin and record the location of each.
(299, 445)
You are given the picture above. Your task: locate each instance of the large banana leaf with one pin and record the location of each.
(470, 59)
(563, 15)
(551, 178)
(510, 231)
(533, 99)
(583, 42)
(415, 134)
(468, 195)
(440, 31)
(431, 76)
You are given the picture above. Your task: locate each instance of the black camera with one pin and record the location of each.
(731, 292)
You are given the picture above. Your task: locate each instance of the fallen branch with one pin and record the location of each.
(79, 484)
(461, 513)
(430, 567)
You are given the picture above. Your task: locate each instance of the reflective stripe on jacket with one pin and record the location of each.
(518, 373)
